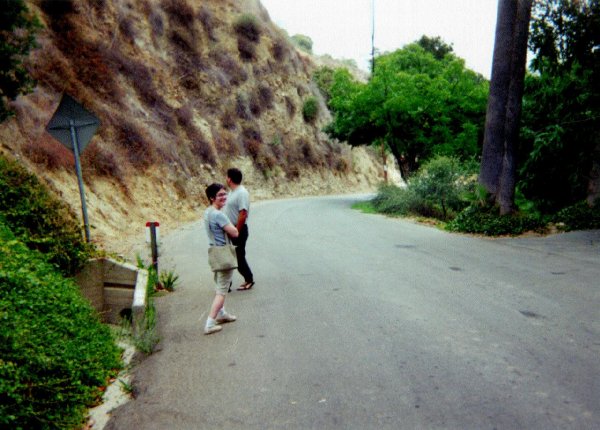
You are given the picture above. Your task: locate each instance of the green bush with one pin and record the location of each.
(441, 185)
(580, 216)
(310, 109)
(485, 220)
(303, 42)
(438, 190)
(55, 355)
(39, 220)
(392, 200)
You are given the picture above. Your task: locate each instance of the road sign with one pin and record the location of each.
(73, 126)
(85, 123)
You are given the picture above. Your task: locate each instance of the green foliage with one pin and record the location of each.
(310, 109)
(39, 220)
(441, 185)
(579, 216)
(323, 77)
(168, 280)
(435, 45)
(392, 200)
(418, 104)
(54, 353)
(561, 104)
(438, 190)
(18, 28)
(248, 27)
(303, 42)
(485, 220)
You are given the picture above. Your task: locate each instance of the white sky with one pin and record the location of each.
(342, 28)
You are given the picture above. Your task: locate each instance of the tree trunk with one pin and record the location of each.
(508, 177)
(498, 160)
(593, 197)
(493, 138)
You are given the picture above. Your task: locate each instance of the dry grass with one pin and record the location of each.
(208, 22)
(138, 146)
(49, 153)
(99, 161)
(232, 90)
(290, 106)
(179, 12)
(235, 73)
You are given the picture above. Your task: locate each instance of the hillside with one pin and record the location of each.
(184, 89)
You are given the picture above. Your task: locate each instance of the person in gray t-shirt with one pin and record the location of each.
(218, 227)
(237, 210)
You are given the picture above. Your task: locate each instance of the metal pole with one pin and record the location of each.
(153, 246)
(79, 178)
(372, 37)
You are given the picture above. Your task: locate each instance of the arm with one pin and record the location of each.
(231, 230)
(242, 219)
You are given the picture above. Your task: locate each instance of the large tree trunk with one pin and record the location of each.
(508, 177)
(593, 197)
(498, 164)
(493, 138)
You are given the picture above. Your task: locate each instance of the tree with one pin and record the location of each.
(498, 161)
(415, 103)
(561, 106)
(435, 45)
(17, 36)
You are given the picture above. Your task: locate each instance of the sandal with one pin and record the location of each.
(245, 286)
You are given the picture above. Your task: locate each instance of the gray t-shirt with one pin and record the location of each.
(237, 200)
(214, 221)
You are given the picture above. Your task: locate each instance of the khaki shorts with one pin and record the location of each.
(223, 281)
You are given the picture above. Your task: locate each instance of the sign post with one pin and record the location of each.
(73, 126)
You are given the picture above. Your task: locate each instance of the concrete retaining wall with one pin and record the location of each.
(114, 289)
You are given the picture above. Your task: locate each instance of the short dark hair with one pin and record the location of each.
(212, 190)
(235, 175)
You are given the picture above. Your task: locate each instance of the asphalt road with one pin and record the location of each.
(364, 322)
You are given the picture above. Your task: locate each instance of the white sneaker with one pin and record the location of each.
(225, 318)
(212, 329)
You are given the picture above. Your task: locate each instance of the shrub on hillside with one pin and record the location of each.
(55, 355)
(248, 28)
(49, 153)
(179, 12)
(242, 109)
(39, 220)
(290, 106)
(279, 50)
(157, 24)
(102, 162)
(303, 42)
(234, 72)
(208, 22)
(310, 110)
(139, 147)
(246, 49)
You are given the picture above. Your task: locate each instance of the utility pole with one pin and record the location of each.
(372, 37)
(383, 157)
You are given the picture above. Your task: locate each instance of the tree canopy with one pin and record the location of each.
(560, 145)
(418, 103)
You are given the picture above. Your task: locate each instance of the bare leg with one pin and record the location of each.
(217, 304)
